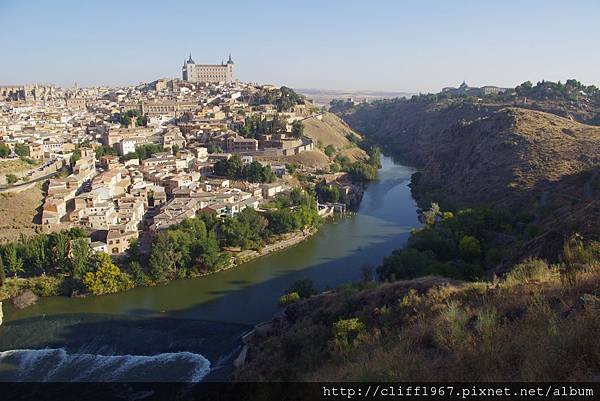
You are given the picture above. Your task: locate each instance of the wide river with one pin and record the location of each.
(242, 296)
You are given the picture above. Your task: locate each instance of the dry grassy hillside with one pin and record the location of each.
(14, 166)
(533, 325)
(314, 158)
(510, 157)
(18, 213)
(331, 130)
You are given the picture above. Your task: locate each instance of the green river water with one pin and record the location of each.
(221, 306)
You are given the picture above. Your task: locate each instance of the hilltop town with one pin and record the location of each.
(122, 165)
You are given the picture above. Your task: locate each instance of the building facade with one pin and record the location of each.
(193, 72)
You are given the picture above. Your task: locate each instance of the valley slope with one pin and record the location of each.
(497, 154)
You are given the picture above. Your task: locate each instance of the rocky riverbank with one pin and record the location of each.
(283, 242)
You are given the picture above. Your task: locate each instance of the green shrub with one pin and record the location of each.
(362, 172)
(493, 256)
(304, 288)
(41, 286)
(533, 230)
(107, 278)
(528, 271)
(288, 299)
(45, 286)
(11, 178)
(578, 257)
(469, 247)
(452, 332)
(486, 322)
(345, 332)
(138, 275)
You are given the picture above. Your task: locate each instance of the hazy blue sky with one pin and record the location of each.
(383, 45)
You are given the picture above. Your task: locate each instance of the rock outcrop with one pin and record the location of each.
(25, 299)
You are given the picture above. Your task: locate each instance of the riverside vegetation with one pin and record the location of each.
(503, 280)
(61, 263)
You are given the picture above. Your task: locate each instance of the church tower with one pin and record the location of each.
(186, 70)
(230, 65)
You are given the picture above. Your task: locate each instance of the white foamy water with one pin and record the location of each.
(57, 365)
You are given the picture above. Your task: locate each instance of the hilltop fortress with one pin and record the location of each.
(193, 72)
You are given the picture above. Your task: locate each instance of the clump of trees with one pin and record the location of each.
(107, 277)
(195, 246)
(327, 193)
(297, 129)
(305, 288)
(292, 212)
(65, 254)
(11, 178)
(257, 125)
(76, 155)
(353, 138)
(362, 171)
(300, 289)
(50, 254)
(283, 98)
(253, 172)
(359, 171)
(571, 90)
(126, 118)
(105, 150)
(4, 150)
(144, 151)
(213, 147)
(21, 150)
(456, 245)
(185, 250)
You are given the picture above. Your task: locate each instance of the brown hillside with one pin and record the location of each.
(530, 326)
(473, 153)
(19, 213)
(314, 158)
(509, 158)
(331, 130)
